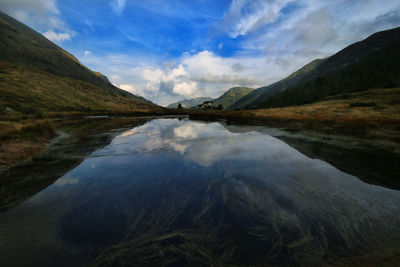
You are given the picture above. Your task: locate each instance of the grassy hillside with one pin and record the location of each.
(231, 96)
(38, 77)
(376, 106)
(346, 69)
(188, 103)
(378, 109)
(30, 92)
(378, 70)
(261, 94)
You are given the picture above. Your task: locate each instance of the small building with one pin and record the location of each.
(206, 105)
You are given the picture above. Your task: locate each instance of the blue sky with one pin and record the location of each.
(171, 50)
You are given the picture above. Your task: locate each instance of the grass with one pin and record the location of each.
(26, 130)
(375, 108)
(31, 93)
(21, 140)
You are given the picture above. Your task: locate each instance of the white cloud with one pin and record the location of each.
(186, 89)
(128, 87)
(118, 6)
(57, 37)
(192, 75)
(276, 38)
(244, 17)
(42, 15)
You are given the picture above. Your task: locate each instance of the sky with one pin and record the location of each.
(171, 50)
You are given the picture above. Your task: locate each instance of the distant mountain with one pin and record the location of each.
(37, 76)
(188, 103)
(231, 96)
(371, 63)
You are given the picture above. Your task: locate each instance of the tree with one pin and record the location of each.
(220, 107)
(180, 106)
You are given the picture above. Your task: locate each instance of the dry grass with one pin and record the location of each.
(21, 140)
(15, 151)
(380, 106)
(35, 93)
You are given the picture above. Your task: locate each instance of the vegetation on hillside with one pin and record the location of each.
(189, 103)
(231, 96)
(367, 64)
(20, 45)
(378, 70)
(38, 78)
(375, 108)
(34, 93)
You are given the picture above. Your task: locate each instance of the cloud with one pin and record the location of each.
(21, 8)
(57, 37)
(258, 43)
(118, 6)
(317, 28)
(210, 78)
(128, 87)
(244, 17)
(42, 15)
(194, 74)
(237, 67)
(66, 181)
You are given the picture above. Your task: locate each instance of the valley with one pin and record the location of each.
(250, 164)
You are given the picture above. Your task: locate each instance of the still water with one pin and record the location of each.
(177, 192)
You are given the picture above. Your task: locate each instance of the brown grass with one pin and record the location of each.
(33, 93)
(13, 151)
(22, 140)
(380, 106)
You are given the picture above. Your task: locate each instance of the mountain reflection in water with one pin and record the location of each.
(179, 192)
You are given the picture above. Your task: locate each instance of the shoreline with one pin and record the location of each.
(17, 151)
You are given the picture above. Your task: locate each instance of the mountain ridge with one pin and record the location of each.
(343, 58)
(37, 76)
(231, 96)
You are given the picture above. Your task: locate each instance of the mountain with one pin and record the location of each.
(371, 63)
(231, 96)
(188, 103)
(37, 76)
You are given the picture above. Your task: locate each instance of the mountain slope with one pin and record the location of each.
(322, 67)
(231, 96)
(380, 69)
(188, 103)
(33, 67)
(261, 94)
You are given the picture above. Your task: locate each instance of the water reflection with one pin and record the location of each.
(183, 192)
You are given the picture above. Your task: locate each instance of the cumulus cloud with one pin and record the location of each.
(118, 6)
(42, 15)
(271, 39)
(191, 75)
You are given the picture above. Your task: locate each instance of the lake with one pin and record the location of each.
(177, 192)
